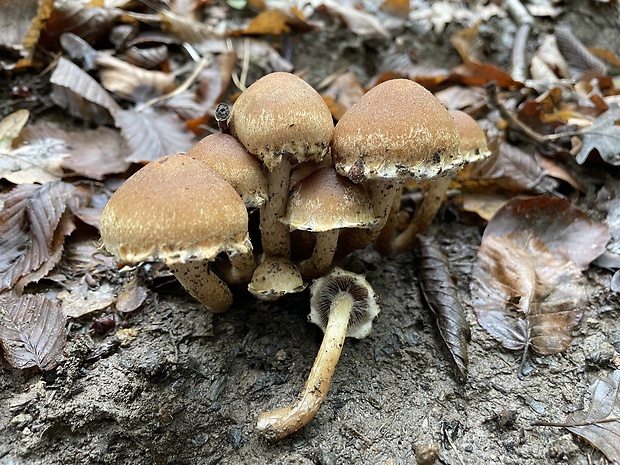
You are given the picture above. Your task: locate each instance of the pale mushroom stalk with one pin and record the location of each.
(279, 423)
(383, 241)
(275, 235)
(322, 256)
(425, 214)
(203, 284)
(242, 268)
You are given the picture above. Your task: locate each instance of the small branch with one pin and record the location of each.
(574, 425)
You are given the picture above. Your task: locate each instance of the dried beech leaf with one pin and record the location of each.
(276, 22)
(32, 330)
(578, 57)
(601, 422)
(396, 7)
(93, 153)
(441, 295)
(11, 127)
(82, 96)
(486, 205)
(343, 93)
(480, 74)
(565, 230)
(81, 300)
(29, 220)
(524, 296)
(78, 49)
(21, 22)
(131, 297)
(38, 161)
(151, 134)
(85, 21)
(603, 136)
(187, 29)
(363, 24)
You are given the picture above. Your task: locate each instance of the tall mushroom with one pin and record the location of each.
(343, 305)
(398, 130)
(282, 120)
(472, 148)
(324, 203)
(177, 210)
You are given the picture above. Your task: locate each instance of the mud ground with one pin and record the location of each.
(185, 386)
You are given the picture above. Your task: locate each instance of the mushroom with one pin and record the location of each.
(282, 120)
(177, 210)
(275, 277)
(325, 202)
(343, 305)
(398, 130)
(473, 148)
(232, 162)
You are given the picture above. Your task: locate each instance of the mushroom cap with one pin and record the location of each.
(282, 114)
(174, 209)
(473, 141)
(324, 200)
(231, 161)
(339, 281)
(275, 277)
(398, 129)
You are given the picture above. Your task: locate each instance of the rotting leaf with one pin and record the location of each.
(88, 21)
(600, 423)
(32, 330)
(81, 300)
(441, 295)
(151, 134)
(82, 96)
(604, 136)
(33, 223)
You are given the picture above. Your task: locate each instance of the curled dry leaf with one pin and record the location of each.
(33, 224)
(151, 133)
(441, 295)
(82, 96)
(32, 330)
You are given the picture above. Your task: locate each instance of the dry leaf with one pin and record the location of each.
(486, 205)
(151, 134)
(81, 300)
(578, 57)
(82, 96)
(396, 7)
(21, 22)
(342, 94)
(32, 330)
(604, 136)
(32, 229)
(187, 29)
(276, 22)
(131, 297)
(363, 24)
(85, 21)
(441, 295)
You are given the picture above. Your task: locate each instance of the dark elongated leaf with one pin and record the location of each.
(441, 295)
(151, 134)
(82, 96)
(578, 57)
(29, 222)
(32, 330)
(604, 136)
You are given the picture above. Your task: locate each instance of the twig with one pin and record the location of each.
(573, 425)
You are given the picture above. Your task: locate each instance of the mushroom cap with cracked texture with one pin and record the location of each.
(174, 209)
(282, 115)
(325, 200)
(397, 130)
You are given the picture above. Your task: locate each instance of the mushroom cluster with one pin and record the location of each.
(277, 198)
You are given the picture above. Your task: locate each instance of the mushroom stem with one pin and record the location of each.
(242, 268)
(275, 234)
(203, 284)
(425, 214)
(279, 423)
(383, 241)
(322, 255)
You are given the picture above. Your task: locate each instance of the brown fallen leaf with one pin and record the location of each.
(276, 22)
(343, 92)
(84, 19)
(131, 297)
(81, 300)
(441, 295)
(32, 330)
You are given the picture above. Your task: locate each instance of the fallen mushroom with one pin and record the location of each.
(472, 148)
(344, 305)
(398, 130)
(177, 210)
(282, 120)
(324, 203)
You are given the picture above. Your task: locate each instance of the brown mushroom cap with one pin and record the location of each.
(473, 141)
(282, 114)
(275, 277)
(324, 200)
(231, 161)
(396, 130)
(174, 209)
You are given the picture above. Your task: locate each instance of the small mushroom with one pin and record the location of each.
(342, 304)
(472, 148)
(177, 210)
(275, 277)
(324, 203)
(282, 120)
(398, 130)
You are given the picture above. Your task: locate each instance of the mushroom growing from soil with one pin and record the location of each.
(343, 305)
(177, 210)
(282, 120)
(398, 130)
(324, 203)
(473, 148)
